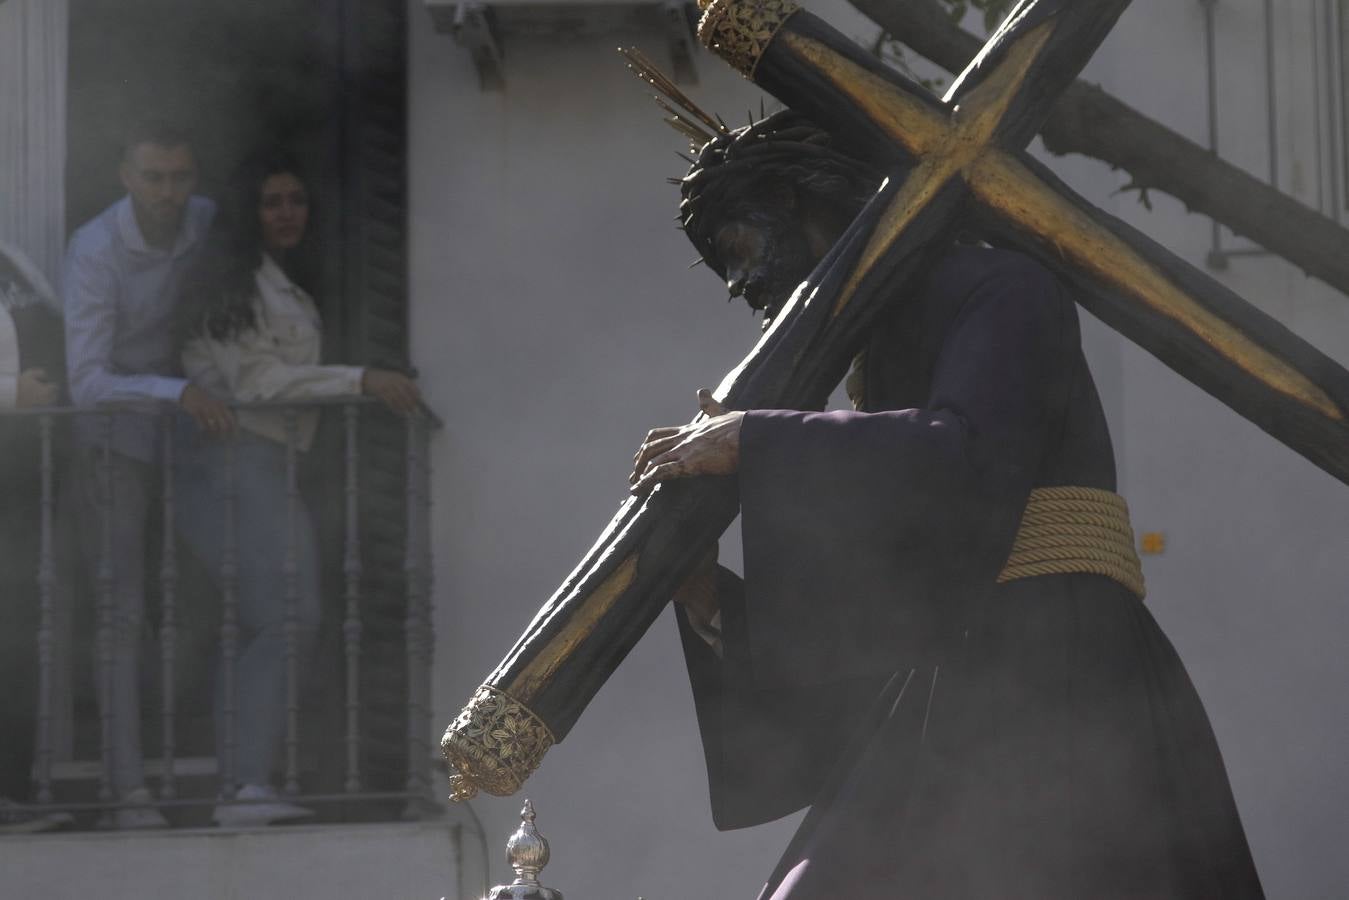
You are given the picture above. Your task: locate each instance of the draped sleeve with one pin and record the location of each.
(864, 533)
(768, 750)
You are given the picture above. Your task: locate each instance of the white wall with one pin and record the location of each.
(555, 321)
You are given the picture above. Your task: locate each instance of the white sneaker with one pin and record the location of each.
(256, 805)
(138, 813)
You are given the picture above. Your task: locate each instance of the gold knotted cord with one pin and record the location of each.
(1075, 529)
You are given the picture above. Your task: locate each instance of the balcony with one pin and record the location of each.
(357, 743)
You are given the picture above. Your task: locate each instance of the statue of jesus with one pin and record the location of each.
(940, 645)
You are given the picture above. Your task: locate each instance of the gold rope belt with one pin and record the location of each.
(1075, 529)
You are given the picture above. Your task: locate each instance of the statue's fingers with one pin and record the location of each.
(656, 434)
(652, 454)
(653, 436)
(709, 404)
(672, 468)
(653, 448)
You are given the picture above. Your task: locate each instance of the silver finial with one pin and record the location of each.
(527, 850)
(527, 853)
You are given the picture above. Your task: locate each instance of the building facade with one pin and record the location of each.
(552, 317)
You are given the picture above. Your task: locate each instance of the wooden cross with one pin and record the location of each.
(965, 166)
(971, 143)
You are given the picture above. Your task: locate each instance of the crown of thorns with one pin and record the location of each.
(729, 164)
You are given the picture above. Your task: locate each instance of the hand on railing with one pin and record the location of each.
(394, 389)
(35, 390)
(211, 415)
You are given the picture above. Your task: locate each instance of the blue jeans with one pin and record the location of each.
(263, 539)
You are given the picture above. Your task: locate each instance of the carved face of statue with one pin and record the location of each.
(764, 203)
(769, 248)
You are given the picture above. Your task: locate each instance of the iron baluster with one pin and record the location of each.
(413, 628)
(168, 624)
(46, 578)
(229, 624)
(351, 624)
(291, 580)
(105, 614)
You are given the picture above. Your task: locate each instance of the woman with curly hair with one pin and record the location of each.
(251, 331)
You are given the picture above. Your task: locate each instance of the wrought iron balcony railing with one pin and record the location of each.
(76, 776)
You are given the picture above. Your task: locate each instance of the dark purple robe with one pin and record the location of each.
(954, 737)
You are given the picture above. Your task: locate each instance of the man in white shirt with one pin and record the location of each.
(122, 274)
